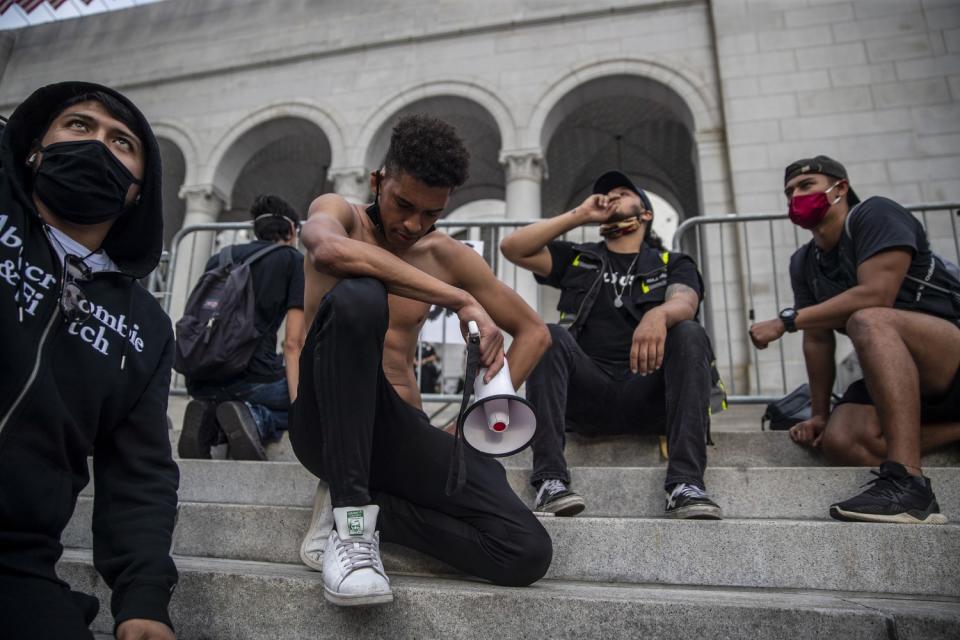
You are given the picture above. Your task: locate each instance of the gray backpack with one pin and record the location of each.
(216, 336)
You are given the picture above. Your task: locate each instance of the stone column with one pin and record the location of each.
(203, 206)
(353, 183)
(525, 170)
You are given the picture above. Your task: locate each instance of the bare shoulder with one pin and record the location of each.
(336, 206)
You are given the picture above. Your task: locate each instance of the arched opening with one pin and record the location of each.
(287, 156)
(174, 172)
(479, 132)
(625, 122)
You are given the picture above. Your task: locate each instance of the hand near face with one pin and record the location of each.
(763, 333)
(597, 208)
(140, 629)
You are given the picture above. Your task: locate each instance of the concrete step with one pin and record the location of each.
(254, 601)
(751, 492)
(790, 554)
(733, 449)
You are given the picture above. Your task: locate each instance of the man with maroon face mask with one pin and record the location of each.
(869, 272)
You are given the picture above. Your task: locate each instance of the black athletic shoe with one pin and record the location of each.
(242, 435)
(894, 496)
(200, 430)
(690, 502)
(556, 497)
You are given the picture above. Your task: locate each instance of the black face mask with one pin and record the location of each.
(373, 211)
(82, 182)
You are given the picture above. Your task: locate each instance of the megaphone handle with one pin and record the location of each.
(457, 475)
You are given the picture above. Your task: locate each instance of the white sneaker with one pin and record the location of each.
(321, 523)
(353, 573)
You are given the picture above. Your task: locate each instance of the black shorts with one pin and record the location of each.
(943, 408)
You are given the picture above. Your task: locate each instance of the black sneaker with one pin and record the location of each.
(556, 497)
(237, 422)
(894, 496)
(690, 502)
(200, 430)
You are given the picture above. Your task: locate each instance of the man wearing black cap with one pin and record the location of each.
(627, 356)
(869, 272)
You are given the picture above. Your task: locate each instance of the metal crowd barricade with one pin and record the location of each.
(744, 260)
(745, 264)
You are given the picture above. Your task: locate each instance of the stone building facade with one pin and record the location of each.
(702, 101)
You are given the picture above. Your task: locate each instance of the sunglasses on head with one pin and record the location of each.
(75, 271)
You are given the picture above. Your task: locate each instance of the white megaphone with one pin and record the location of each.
(499, 422)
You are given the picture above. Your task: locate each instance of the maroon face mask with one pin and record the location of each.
(808, 210)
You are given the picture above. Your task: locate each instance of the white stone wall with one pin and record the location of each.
(874, 83)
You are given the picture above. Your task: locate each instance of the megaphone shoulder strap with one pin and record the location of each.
(457, 475)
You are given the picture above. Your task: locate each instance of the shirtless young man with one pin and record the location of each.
(371, 277)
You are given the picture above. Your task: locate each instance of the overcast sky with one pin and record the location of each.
(16, 17)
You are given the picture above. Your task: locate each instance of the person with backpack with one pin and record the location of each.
(869, 272)
(227, 339)
(86, 364)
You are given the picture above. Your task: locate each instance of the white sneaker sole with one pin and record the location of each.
(365, 600)
(900, 518)
(320, 502)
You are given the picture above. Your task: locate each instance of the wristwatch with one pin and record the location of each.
(789, 318)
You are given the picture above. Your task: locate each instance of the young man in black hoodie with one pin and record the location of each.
(87, 357)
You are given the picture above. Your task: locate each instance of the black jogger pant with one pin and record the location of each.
(569, 390)
(351, 429)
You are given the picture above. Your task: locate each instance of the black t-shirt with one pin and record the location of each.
(875, 225)
(277, 286)
(607, 333)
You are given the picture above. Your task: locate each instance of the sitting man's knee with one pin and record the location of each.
(560, 343)
(532, 559)
(866, 323)
(687, 334)
(558, 335)
(849, 436)
(835, 442)
(359, 300)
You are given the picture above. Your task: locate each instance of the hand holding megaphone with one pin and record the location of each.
(499, 422)
(475, 320)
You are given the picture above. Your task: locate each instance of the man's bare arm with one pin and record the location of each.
(527, 247)
(530, 335)
(819, 346)
(818, 352)
(878, 281)
(294, 334)
(331, 251)
(680, 303)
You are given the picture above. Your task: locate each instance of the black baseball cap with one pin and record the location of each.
(820, 164)
(613, 179)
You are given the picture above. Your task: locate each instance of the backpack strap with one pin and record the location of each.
(225, 256)
(259, 254)
(846, 221)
